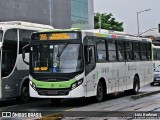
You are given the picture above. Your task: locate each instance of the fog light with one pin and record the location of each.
(32, 85)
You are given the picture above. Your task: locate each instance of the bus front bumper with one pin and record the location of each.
(75, 93)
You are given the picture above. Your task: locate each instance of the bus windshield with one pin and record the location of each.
(56, 58)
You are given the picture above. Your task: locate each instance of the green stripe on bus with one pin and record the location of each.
(62, 84)
(100, 35)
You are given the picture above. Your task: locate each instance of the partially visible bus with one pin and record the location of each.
(13, 71)
(85, 63)
(156, 55)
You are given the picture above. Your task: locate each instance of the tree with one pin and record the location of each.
(107, 22)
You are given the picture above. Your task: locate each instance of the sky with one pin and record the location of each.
(126, 11)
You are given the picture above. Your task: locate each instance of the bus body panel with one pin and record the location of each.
(11, 85)
(91, 82)
(120, 77)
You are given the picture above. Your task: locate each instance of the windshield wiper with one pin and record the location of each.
(64, 47)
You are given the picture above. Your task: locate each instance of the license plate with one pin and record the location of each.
(52, 92)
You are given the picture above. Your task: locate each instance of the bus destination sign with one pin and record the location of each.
(58, 36)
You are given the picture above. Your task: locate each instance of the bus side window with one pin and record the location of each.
(129, 50)
(101, 50)
(112, 50)
(136, 50)
(9, 52)
(6, 62)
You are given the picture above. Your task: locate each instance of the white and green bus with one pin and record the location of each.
(13, 71)
(85, 63)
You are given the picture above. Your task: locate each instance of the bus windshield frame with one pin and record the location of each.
(62, 56)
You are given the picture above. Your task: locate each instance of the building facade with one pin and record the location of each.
(58, 13)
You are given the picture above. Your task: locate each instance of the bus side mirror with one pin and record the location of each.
(24, 52)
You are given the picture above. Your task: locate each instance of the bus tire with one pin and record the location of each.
(152, 84)
(24, 96)
(136, 86)
(100, 92)
(56, 101)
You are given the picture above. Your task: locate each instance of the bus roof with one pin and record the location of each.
(101, 33)
(24, 25)
(154, 46)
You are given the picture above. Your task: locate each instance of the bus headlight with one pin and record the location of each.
(80, 82)
(32, 85)
(76, 84)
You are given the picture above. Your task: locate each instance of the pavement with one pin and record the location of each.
(144, 91)
(147, 90)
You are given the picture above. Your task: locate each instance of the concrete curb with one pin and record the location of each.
(144, 94)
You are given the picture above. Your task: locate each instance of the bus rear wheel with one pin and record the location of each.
(136, 86)
(100, 92)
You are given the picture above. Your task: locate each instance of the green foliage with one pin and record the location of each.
(107, 22)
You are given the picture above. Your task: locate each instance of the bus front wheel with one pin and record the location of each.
(100, 92)
(24, 96)
(152, 84)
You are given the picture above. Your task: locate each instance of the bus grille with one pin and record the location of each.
(53, 92)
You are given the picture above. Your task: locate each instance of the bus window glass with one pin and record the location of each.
(24, 35)
(129, 51)
(158, 55)
(112, 51)
(101, 50)
(24, 38)
(121, 50)
(143, 48)
(155, 53)
(9, 53)
(136, 50)
(41, 58)
(149, 51)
